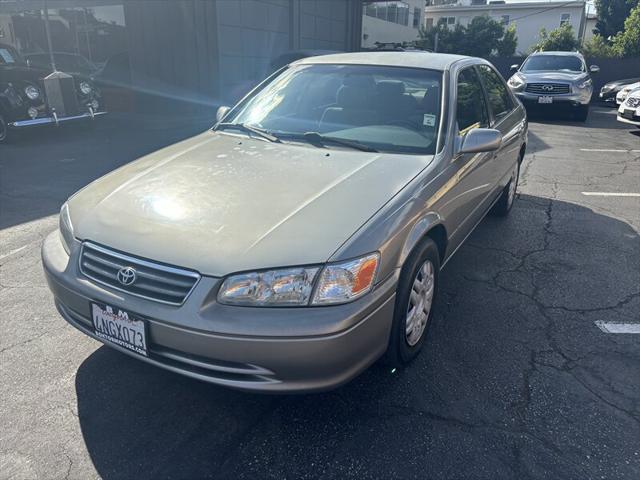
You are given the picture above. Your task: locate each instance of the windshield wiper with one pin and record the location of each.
(318, 139)
(249, 129)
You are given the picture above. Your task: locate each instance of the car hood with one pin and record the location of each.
(220, 203)
(553, 76)
(18, 72)
(621, 83)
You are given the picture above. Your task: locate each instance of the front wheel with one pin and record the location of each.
(415, 296)
(582, 113)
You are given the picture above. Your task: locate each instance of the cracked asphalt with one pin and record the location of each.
(515, 380)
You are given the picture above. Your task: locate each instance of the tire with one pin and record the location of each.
(508, 196)
(582, 113)
(4, 130)
(422, 267)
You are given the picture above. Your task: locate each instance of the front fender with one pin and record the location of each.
(420, 228)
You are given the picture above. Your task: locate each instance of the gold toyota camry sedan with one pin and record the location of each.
(301, 238)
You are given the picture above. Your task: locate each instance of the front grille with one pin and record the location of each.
(633, 102)
(152, 280)
(547, 88)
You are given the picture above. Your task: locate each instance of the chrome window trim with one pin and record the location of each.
(144, 263)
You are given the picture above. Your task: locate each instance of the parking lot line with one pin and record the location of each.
(12, 252)
(610, 194)
(610, 150)
(613, 327)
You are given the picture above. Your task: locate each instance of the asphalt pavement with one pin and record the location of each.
(520, 376)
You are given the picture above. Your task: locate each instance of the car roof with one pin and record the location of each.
(414, 59)
(557, 53)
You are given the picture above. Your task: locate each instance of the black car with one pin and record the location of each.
(609, 90)
(23, 95)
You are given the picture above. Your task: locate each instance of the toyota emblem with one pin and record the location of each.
(127, 276)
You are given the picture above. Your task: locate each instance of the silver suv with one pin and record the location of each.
(301, 238)
(552, 79)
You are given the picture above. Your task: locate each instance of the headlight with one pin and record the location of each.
(291, 287)
(516, 82)
(66, 228)
(286, 287)
(85, 88)
(586, 84)
(346, 281)
(31, 92)
(606, 88)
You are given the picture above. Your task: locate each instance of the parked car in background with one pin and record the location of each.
(550, 80)
(23, 100)
(629, 110)
(301, 238)
(609, 90)
(624, 91)
(66, 62)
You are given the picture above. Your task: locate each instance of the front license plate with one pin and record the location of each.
(119, 327)
(628, 114)
(546, 99)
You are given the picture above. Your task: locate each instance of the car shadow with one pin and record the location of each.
(142, 422)
(599, 117)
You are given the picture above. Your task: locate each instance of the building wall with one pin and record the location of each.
(377, 30)
(528, 20)
(213, 51)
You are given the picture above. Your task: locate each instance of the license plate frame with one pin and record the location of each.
(545, 99)
(120, 327)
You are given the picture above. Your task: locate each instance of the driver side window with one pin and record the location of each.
(471, 108)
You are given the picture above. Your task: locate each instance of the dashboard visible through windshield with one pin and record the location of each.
(372, 108)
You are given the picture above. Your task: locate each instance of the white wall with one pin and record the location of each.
(376, 30)
(527, 28)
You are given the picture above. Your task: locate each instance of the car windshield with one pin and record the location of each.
(372, 108)
(567, 63)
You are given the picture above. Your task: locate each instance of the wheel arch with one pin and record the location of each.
(429, 226)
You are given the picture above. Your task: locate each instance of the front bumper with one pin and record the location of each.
(565, 99)
(253, 349)
(53, 119)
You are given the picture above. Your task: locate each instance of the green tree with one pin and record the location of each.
(612, 15)
(597, 46)
(561, 39)
(507, 46)
(627, 43)
(482, 37)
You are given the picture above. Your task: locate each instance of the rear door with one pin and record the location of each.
(505, 118)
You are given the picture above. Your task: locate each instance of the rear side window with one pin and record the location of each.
(499, 99)
(471, 109)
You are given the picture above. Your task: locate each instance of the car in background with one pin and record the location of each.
(629, 110)
(549, 80)
(624, 91)
(24, 102)
(316, 215)
(67, 62)
(609, 90)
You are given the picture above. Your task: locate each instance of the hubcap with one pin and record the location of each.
(420, 301)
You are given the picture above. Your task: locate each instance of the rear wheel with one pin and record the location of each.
(415, 296)
(508, 196)
(4, 129)
(582, 113)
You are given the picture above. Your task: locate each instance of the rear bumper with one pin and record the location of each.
(286, 354)
(54, 120)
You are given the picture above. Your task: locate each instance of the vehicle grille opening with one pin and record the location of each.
(152, 280)
(548, 88)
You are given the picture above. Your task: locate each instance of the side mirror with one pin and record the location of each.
(222, 111)
(480, 140)
(514, 68)
(594, 68)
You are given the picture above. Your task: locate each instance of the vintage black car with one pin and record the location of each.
(23, 97)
